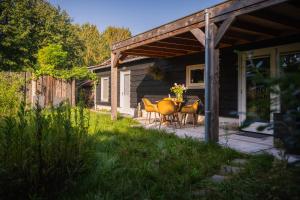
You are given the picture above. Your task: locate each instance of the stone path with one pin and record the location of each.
(228, 138)
(227, 171)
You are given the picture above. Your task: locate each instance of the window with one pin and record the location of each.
(195, 76)
(104, 89)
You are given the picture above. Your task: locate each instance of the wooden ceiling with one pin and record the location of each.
(264, 23)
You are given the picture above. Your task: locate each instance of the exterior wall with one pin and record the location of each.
(143, 85)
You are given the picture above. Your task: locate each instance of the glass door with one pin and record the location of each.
(257, 92)
(255, 98)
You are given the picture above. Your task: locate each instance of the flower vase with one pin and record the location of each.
(179, 97)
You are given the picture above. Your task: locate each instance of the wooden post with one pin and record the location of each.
(73, 95)
(211, 81)
(114, 84)
(33, 92)
(214, 75)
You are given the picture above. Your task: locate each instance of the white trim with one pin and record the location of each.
(102, 89)
(188, 83)
(122, 73)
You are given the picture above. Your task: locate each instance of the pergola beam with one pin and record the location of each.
(151, 53)
(199, 35)
(161, 50)
(155, 55)
(178, 45)
(173, 47)
(270, 17)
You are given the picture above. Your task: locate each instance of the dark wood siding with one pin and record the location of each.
(143, 85)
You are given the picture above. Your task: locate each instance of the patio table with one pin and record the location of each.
(178, 104)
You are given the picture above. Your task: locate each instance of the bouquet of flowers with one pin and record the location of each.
(178, 90)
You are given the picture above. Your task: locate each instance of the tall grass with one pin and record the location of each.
(43, 151)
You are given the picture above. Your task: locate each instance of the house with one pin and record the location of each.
(210, 52)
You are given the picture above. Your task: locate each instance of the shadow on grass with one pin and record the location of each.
(134, 163)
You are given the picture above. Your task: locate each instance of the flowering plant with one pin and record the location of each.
(178, 90)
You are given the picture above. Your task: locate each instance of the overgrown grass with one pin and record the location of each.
(95, 158)
(134, 163)
(43, 151)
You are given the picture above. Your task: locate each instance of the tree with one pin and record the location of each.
(91, 39)
(52, 56)
(28, 25)
(112, 35)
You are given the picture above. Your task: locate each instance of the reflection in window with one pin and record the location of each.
(289, 62)
(195, 76)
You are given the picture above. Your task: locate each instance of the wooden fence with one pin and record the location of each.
(48, 90)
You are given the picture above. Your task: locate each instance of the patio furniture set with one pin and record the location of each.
(172, 111)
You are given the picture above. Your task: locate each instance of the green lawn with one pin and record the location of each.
(134, 163)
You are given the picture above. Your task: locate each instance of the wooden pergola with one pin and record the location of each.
(230, 23)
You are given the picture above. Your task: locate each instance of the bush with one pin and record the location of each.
(43, 151)
(10, 93)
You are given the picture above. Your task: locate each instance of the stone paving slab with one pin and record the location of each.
(228, 138)
(229, 170)
(239, 161)
(219, 178)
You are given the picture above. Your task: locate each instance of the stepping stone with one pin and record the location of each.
(202, 192)
(219, 178)
(228, 170)
(199, 193)
(239, 161)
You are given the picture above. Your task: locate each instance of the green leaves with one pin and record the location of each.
(110, 36)
(29, 25)
(52, 56)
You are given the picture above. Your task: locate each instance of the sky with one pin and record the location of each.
(137, 15)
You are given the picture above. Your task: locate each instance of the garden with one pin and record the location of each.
(75, 153)
(72, 152)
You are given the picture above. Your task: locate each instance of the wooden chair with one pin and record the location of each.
(150, 108)
(190, 109)
(167, 108)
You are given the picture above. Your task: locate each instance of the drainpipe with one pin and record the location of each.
(207, 78)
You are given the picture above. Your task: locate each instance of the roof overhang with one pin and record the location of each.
(253, 20)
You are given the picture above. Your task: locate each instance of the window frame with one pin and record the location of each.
(188, 83)
(102, 89)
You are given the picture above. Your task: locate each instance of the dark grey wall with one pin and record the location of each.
(143, 85)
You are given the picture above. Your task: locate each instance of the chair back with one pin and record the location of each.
(166, 107)
(147, 104)
(195, 105)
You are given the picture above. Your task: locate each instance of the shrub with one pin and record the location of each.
(10, 92)
(43, 151)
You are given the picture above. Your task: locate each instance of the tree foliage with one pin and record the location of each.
(97, 45)
(112, 35)
(52, 55)
(91, 39)
(39, 36)
(52, 60)
(28, 25)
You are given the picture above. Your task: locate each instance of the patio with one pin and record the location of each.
(242, 142)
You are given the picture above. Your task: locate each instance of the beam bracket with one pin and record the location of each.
(222, 30)
(199, 35)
